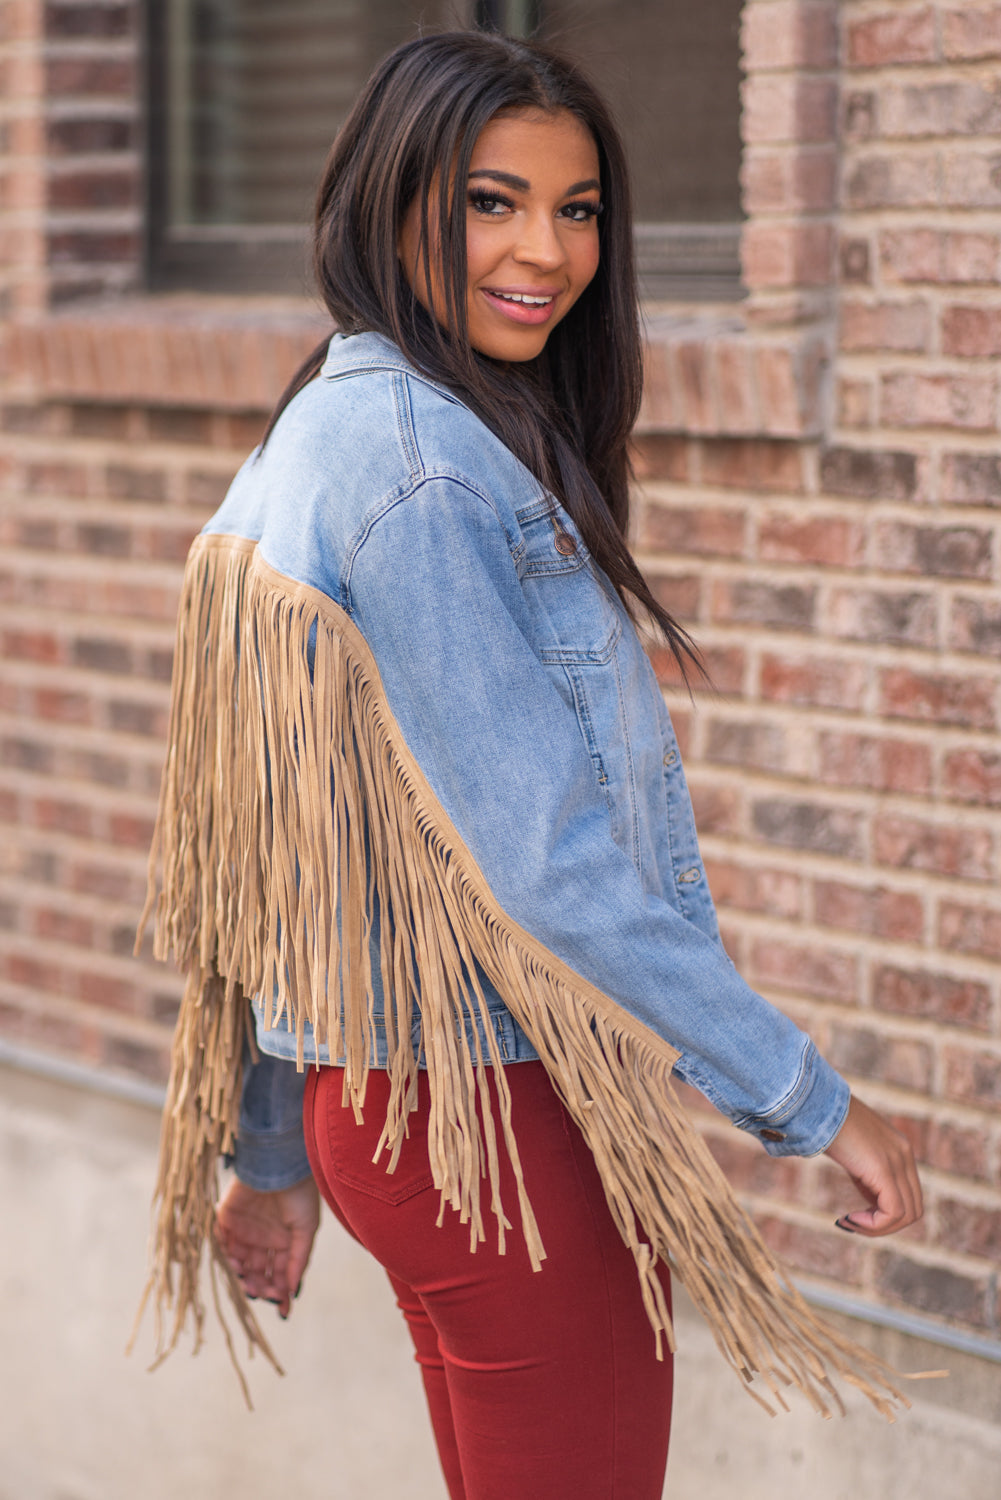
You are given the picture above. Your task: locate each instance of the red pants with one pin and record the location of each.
(541, 1385)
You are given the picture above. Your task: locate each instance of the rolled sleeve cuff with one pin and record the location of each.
(806, 1121)
(270, 1149)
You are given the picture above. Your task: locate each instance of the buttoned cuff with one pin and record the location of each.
(806, 1121)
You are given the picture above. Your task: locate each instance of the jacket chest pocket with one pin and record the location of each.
(573, 618)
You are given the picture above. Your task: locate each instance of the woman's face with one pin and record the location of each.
(532, 202)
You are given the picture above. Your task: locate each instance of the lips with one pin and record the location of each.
(527, 305)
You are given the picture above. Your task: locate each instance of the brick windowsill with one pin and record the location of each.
(710, 373)
(707, 372)
(221, 353)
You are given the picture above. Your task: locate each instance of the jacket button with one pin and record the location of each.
(565, 544)
(772, 1135)
(670, 756)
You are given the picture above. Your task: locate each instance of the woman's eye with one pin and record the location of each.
(490, 204)
(579, 213)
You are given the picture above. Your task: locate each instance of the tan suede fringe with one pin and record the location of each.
(291, 809)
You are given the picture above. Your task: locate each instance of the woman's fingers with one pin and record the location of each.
(880, 1162)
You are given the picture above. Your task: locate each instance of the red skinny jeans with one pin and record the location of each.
(541, 1385)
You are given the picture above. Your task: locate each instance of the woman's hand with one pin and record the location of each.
(880, 1162)
(267, 1237)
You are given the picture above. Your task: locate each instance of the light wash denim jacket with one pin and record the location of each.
(521, 687)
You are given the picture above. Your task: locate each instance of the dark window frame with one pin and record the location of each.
(676, 262)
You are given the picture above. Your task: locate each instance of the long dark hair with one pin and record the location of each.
(566, 414)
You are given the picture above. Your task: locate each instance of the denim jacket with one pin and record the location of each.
(523, 690)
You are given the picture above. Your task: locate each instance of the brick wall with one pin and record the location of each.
(819, 490)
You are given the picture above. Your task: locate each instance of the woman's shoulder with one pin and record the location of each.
(391, 407)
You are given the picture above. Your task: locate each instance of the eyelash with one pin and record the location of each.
(481, 199)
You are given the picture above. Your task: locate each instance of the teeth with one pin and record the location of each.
(521, 297)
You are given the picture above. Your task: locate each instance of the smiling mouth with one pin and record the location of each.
(530, 309)
(524, 298)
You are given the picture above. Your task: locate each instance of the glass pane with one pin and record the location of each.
(671, 71)
(257, 91)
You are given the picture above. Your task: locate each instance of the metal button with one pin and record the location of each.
(773, 1135)
(565, 544)
(670, 756)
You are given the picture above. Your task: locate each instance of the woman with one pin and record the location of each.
(424, 805)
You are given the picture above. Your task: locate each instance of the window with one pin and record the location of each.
(246, 96)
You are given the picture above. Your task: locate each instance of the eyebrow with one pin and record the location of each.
(523, 185)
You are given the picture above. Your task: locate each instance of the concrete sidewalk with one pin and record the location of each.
(78, 1421)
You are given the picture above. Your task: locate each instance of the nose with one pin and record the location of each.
(539, 243)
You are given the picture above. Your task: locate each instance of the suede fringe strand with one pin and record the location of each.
(291, 808)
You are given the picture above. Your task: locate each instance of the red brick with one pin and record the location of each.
(956, 106)
(933, 1289)
(659, 456)
(779, 606)
(788, 107)
(89, 135)
(967, 701)
(726, 668)
(869, 473)
(61, 706)
(789, 35)
(780, 181)
(971, 1228)
(65, 76)
(92, 245)
(819, 1252)
(904, 180)
(805, 969)
(970, 929)
(95, 20)
(969, 34)
(891, 618)
(973, 776)
(859, 110)
(776, 893)
(819, 539)
(959, 1149)
(708, 530)
(883, 326)
(914, 400)
(881, 40)
(971, 257)
(932, 997)
(879, 765)
(808, 825)
(972, 479)
(31, 645)
(678, 594)
(751, 1170)
(971, 179)
(752, 464)
(911, 255)
(855, 261)
(910, 843)
(939, 551)
(975, 625)
(94, 189)
(971, 332)
(56, 925)
(820, 682)
(717, 808)
(62, 816)
(897, 916)
(779, 255)
(856, 403)
(973, 1077)
(757, 746)
(864, 1053)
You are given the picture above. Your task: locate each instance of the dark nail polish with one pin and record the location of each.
(842, 1223)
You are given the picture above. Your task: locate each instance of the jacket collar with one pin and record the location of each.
(358, 353)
